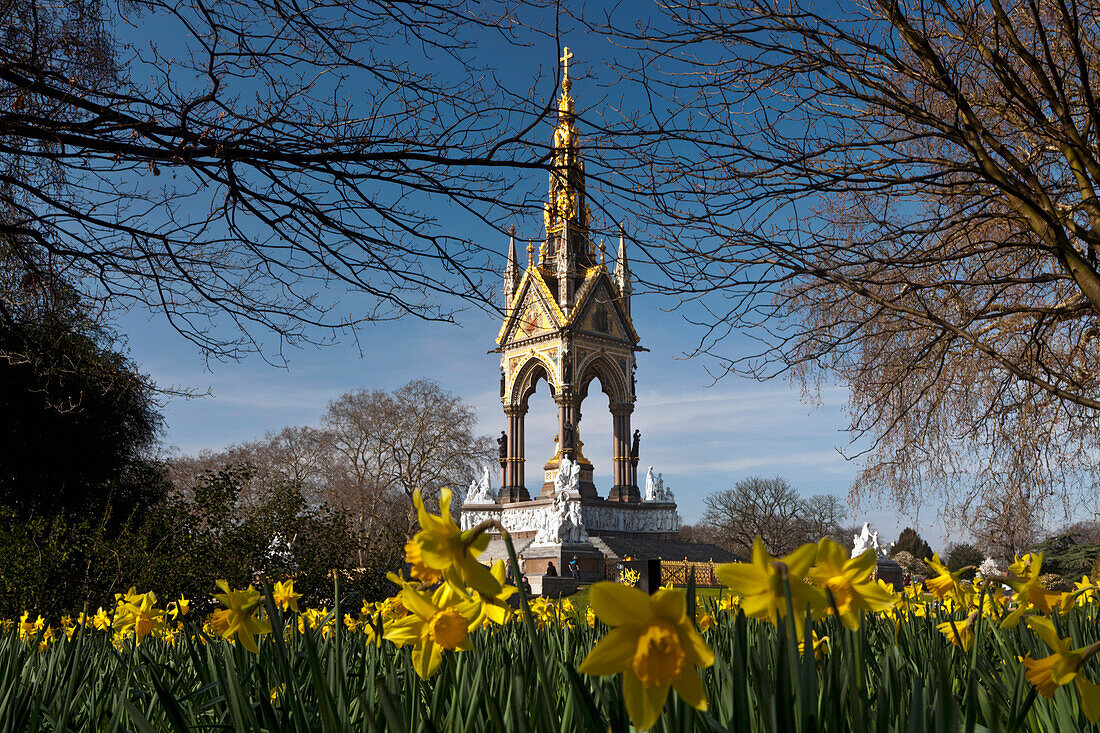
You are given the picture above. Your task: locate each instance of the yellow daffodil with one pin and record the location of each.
(959, 633)
(283, 596)
(180, 608)
(729, 602)
(706, 621)
(241, 616)
(137, 614)
(1064, 666)
(435, 623)
(496, 608)
(417, 568)
(1029, 594)
(313, 618)
(393, 608)
(452, 552)
(590, 617)
(760, 582)
(653, 643)
(944, 583)
(1086, 590)
(28, 628)
(820, 646)
(102, 620)
(848, 581)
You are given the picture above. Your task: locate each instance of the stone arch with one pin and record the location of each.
(527, 378)
(611, 378)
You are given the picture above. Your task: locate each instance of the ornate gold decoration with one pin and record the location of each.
(567, 205)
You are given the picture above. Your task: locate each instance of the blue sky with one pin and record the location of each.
(701, 437)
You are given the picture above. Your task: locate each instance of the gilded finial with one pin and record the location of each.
(512, 230)
(565, 82)
(603, 249)
(530, 252)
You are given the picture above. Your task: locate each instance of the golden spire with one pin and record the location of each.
(530, 253)
(565, 203)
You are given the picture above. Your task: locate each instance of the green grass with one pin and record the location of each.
(876, 678)
(580, 598)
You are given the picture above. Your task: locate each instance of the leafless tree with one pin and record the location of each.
(386, 445)
(768, 508)
(823, 516)
(293, 456)
(900, 196)
(1005, 523)
(371, 451)
(243, 166)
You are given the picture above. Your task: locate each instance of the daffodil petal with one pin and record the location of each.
(613, 652)
(1044, 627)
(670, 605)
(644, 705)
(617, 604)
(690, 688)
(799, 561)
(698, 652)
(1090, 698)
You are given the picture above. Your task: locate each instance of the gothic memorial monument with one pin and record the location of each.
(568, 322)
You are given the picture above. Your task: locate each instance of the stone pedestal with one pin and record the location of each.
(536, 559)
(890, 572)
(551, 587)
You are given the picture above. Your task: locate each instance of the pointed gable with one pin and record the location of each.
(599, 309)
(534, 310)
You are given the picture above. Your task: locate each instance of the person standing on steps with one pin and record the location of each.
(575, 568)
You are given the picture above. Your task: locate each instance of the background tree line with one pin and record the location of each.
(370, 452)
(769, 508)
(89, 505)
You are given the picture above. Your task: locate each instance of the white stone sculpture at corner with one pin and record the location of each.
(577, 532)
(655, 487)
(663, 492)
(481, 490)
(863, 541)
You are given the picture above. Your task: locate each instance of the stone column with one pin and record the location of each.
(625, 488)
(512, 488)
(565, 415)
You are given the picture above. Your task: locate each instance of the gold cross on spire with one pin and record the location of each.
(565, 68)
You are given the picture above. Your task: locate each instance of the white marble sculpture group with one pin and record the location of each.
(563, 522)
(567, 519)
(481, 490)
(866, 540)
(655, 487)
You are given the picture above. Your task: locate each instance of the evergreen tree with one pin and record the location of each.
(910, 541)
